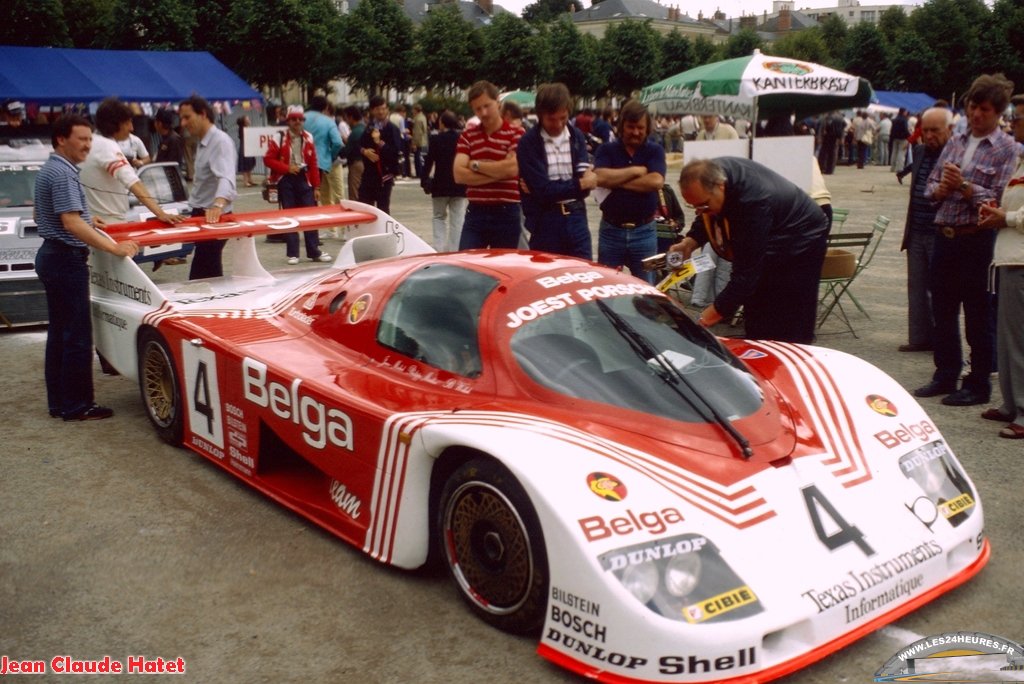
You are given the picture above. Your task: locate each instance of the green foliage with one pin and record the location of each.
(742, 44)
(912, 66)
(704, 51)
(34, 23)
(833, 32)
(958, 21)
(376, 43)
(446, 49)
(631, 54)
(543, 11)
(513, 55)
(152, 25)
(891, 23)
(808, 45)
(573, 59)
(88, 22)
(677, 55)
(866, 53)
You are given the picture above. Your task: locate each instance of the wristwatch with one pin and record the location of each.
(964, 185)
(219, 205)
(475, 165)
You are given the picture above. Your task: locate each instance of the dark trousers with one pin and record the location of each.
(372, 191)
(294, 190)
(491, 225)
(64, 272)
(959, 277)
(557, 233)
(827, 155)
(784, 305)
(206, 260)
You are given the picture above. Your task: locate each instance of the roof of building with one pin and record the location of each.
(417, 10)
(628, 9)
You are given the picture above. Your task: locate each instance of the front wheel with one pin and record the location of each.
(494, 547)
(160, 387)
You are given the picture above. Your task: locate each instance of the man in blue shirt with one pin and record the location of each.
(326, 137)
(68, 231)
(632, 170)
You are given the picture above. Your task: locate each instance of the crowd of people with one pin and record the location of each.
(505, 179)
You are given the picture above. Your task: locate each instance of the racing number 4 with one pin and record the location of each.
(203, 393)
(845, 532)
(201, 396)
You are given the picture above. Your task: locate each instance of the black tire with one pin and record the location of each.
(160, 387)
(493, 546)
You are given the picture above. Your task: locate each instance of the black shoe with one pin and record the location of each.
(934, 389)
(899, 177)
(966, 396)
(94, 412)
(915, 347)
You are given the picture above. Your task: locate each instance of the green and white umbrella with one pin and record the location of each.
(757, 87)
(523, 98)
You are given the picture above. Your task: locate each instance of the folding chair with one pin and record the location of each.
(863, 246)
(839, 217)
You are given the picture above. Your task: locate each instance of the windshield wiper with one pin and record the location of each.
(672, 375)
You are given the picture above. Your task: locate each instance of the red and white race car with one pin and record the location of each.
(655, 504)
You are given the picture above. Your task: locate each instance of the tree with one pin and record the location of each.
(833, 32)
(960, 21)
(1004, 36)
(376, 42)
(742, 44)
(572, 58)
(34, 22)
(891, 23)
(513, 57)
(912, 65)
(704, 51)
(677, 54)
(631, 56)
(447, 47)
(543, 11)
(866, 54)
(89, 22)
(807, 45)
(152, 25)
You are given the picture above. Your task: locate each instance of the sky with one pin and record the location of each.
(732, 8)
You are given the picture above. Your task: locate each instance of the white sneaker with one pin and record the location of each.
(293, 260)
(325, 257)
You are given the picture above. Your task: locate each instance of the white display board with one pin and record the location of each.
(778, 154)
(257, 138)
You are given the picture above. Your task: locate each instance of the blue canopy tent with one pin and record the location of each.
(912, 102)
(60, 75)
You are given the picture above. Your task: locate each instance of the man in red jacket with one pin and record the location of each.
(292, 163)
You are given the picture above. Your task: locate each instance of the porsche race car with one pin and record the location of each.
(592, 467)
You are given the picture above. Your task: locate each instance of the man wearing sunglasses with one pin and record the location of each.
(774, 235)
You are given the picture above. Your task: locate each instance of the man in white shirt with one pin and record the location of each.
(107, 175)
(714, 129)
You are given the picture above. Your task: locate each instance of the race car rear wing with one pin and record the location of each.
(369, 234)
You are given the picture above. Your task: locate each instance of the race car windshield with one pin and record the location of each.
(17, 185)
(581, 352)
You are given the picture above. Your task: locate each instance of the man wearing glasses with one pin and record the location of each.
(774, 235)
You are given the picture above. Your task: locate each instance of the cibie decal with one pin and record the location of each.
(606, 486)
(946, 656)
(789, 68)
(720, 604)
(881, 405)
(359, 308)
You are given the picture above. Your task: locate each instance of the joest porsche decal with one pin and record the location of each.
(321, 424)
(536, 309)
(866, 579)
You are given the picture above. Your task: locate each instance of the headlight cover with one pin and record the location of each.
(682, 578)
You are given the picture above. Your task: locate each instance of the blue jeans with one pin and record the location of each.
(627, 247)
(491, 225)
(64, 272)
(551, 231)
(295, 191)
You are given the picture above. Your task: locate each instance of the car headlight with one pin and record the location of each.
(641, 581)
(682, 574)
(683, 578)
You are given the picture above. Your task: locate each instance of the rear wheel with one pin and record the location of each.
(160, 387)
(494, 547)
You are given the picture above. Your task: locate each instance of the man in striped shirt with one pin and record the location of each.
(485, 162)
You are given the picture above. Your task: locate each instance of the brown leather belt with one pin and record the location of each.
(957, 231)
(629, 225)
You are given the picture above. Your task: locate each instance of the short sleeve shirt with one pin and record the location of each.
(59, 191)
(479, 146)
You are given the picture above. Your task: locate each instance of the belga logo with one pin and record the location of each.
(956, 657)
